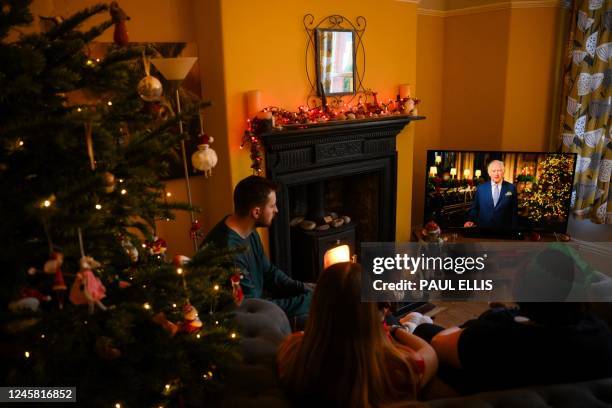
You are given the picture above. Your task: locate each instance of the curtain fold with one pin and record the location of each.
(586, 101)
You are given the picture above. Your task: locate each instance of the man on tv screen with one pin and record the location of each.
(495, 204)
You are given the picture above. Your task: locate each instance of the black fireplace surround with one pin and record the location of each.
(299, 156)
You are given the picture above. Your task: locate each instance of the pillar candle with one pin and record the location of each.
(404, 91)
(253, 102)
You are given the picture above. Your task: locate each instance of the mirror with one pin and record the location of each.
(335, 59)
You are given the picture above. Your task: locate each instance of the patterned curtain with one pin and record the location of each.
(585, 117)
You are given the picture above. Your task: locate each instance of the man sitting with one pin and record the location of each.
(255, 206)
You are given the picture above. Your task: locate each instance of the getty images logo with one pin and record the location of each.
(403, 262)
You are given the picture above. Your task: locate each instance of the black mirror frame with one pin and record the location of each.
(335, 22)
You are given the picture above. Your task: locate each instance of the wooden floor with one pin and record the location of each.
(449, 314)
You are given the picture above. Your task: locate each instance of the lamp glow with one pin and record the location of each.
(466, 173)
(477, 173)
(438, 159)
(335, 255)
(453, 171)
(174, 69)
(433, 170)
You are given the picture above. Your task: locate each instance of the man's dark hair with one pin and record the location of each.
(251, 192)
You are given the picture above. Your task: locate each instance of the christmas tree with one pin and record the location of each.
(546, 200)
(93, 302)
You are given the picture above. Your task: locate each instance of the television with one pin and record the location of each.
(499, 191)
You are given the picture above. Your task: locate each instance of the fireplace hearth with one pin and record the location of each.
(326, 172)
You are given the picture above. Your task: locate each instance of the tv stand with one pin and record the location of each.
(456, 236)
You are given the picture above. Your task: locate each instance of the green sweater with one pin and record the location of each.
(260, 278)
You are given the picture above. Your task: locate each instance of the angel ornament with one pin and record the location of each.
(87, 288)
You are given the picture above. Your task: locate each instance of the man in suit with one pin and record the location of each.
(495, 204)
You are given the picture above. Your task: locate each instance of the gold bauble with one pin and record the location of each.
(150, 89)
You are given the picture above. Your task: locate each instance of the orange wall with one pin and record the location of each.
(429, 88)
(530, 78)
(264, 48)
(475, 58)
(498, 77)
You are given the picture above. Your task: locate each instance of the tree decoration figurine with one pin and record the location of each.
(119, 17)
(87, 289)
(191, 320)
(237, 291)
(205, 158)
(59, 285)
(109, 181)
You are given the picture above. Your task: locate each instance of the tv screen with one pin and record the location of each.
(499, 191)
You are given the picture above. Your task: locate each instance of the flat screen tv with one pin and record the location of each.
(499, 191)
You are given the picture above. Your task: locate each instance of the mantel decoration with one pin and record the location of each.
(273, 118)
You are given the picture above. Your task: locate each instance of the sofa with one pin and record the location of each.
(263, 325)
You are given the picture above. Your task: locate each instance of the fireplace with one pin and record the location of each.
(330, 172)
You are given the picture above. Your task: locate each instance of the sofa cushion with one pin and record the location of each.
(262, 326)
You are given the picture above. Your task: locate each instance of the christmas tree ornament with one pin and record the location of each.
(195, 232)
(180, 260)
(129, 248)
(105, 348)
(161, 320)
(158, 246)
(59, 286)
(149, 88)
(205, 158)
(109, 181)
(29, 299)
(119, 17)
(237, 292)
(30, 303)
(191, 321)
(55, 261)
(87, 289)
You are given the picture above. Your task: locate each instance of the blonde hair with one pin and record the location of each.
(344, 356)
